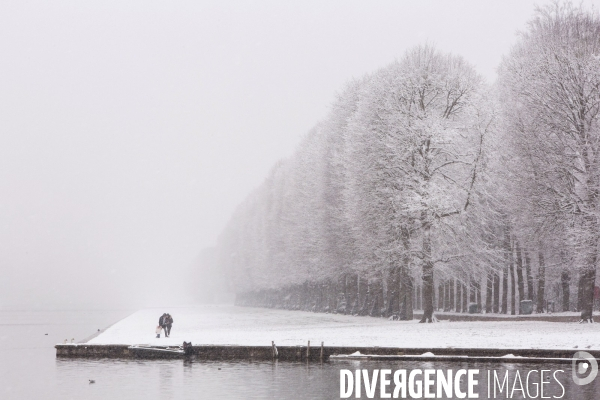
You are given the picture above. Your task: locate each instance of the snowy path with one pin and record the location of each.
(221, 325)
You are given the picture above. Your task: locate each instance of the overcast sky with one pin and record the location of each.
(129, 131)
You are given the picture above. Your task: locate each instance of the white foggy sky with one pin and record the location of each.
(129, 131)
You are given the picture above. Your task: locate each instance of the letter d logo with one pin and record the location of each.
(583, 367)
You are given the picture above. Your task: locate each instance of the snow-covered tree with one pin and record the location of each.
(551, 97)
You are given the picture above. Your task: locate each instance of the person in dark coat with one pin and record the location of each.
(168, 325)
(162, 322)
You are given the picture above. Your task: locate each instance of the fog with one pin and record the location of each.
(129, 131)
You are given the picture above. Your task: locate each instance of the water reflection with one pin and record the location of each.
(29, 369)
(178, 379)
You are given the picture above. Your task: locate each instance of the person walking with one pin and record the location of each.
(162, 322)
(168, 325)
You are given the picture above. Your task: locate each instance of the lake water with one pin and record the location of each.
(30, 370)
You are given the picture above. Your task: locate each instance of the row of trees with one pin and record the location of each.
(427, 188)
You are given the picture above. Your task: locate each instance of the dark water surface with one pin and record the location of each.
(30, 370)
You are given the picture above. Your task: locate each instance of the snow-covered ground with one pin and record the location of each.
(221, 325)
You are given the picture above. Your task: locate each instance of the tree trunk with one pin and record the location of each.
(512, 288)
(447, 295)
(303, 296)
(465, 298)
(318, 289)
(332, 295)
(580, 292)
(565, 281)
(488, 292)
(458, 297)
(428, 287)
(506, 269)
(588, 278)
(541, 282)
(530, 290)
(360, 293)
(320, 297)
(393, 289)
(587, 287)
(406, 281)
(478, 294)
(505, 290)
(366, 300)
(451, 302)
(406, 300)
(433, 296)
(592, 239)
(520, 282)
(341, 295)
(472, 291)
(312, 297)
(352, 293)
(377, 299)
(496, 285)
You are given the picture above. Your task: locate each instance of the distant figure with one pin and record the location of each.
(158, 329)
(168, 325)
(162, 323)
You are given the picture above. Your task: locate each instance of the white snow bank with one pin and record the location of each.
(222, 325)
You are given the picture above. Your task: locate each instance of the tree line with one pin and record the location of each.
(427, 188)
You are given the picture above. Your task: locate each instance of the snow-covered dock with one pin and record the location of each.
(228, 325)
(324, 353)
